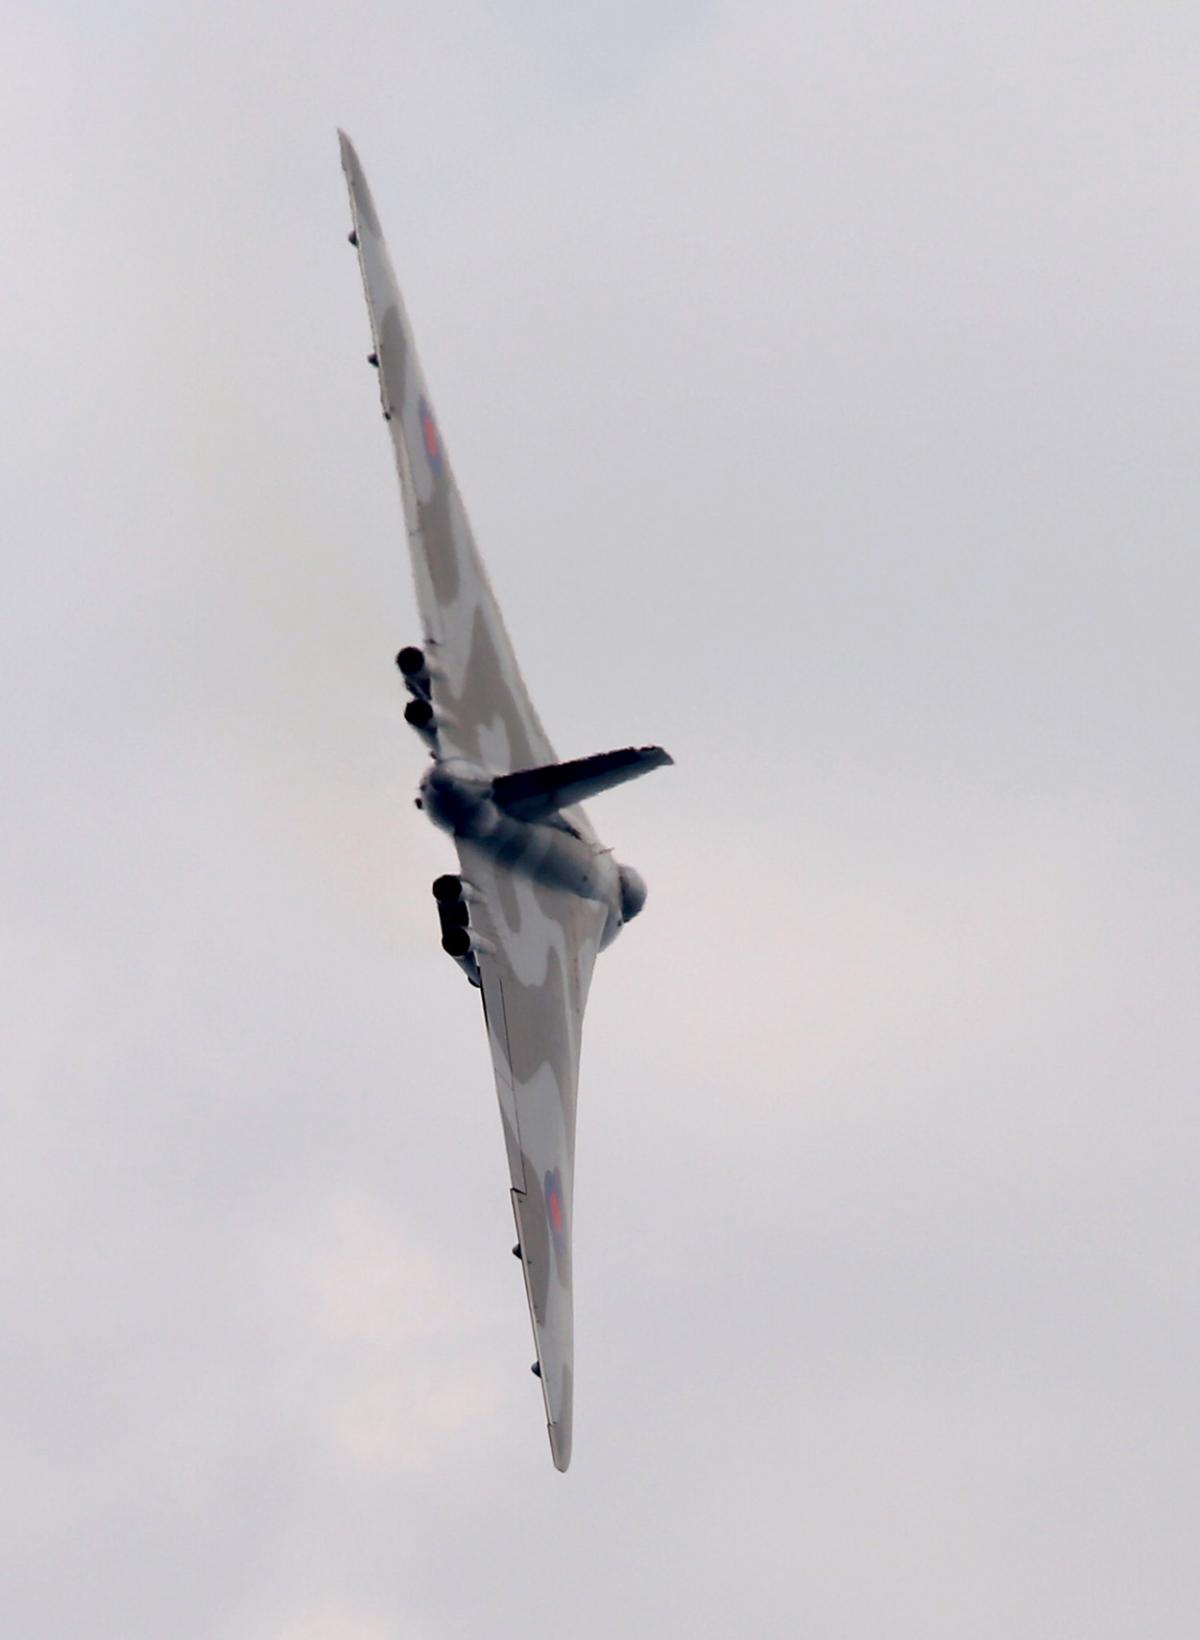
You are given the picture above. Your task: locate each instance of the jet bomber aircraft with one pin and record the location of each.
(536, 895)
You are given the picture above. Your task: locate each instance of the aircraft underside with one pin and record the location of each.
(536, 895)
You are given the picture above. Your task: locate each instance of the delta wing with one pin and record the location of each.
(537, 892)
(535, 959)
(483, 711)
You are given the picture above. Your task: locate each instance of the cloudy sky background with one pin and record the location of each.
(822, 382)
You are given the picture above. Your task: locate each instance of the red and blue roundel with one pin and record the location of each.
(556, 1212)
(430, 440)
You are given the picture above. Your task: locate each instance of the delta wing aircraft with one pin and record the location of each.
(536, 896)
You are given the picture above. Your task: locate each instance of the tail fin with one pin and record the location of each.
(532, 794)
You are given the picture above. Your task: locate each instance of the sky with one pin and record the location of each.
(821, 380)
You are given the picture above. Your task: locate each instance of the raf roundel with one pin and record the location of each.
(556, 1212)
(430, 442)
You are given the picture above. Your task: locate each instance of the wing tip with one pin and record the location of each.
(361, 204)
(351, 165)
(560, 1446)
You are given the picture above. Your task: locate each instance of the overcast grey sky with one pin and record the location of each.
(821, 379)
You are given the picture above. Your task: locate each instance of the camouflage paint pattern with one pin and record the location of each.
(483, 709)
(535, 943)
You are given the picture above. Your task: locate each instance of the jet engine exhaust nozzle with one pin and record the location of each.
(455, 919)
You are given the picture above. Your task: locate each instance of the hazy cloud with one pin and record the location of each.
(821, 382)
